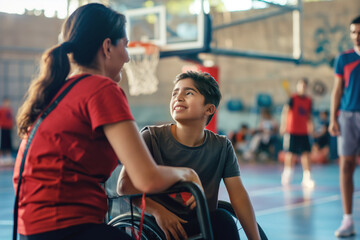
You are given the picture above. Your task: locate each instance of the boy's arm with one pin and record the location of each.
(242, 206)
(169, 223)
(310, 125)
(336, 95)
(283, 119)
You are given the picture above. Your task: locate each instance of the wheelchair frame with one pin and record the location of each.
(151, 231)
(127, 220)
(227, 206)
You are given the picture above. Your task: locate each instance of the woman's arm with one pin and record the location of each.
(169, 223)
(143, 172)
(241, 204)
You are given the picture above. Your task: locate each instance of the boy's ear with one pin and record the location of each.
(210, 109)
(106, 48)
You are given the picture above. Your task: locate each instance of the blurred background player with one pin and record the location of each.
(264, 137)
(240, 138)
(6, 125)
(321, 145)
(296, 125)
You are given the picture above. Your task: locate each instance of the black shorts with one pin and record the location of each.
(5, 139)
(322, 141)
(296, 144)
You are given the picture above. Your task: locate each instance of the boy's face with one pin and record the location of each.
(187, 103)
(355, 34)
(301, 87)
(6, 103)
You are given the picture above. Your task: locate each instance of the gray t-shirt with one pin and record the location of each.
(213, 160)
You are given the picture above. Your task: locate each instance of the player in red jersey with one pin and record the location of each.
(296, 125)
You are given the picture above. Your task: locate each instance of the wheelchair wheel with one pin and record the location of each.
(150, 231)
(227, 206)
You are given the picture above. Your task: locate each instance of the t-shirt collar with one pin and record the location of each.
(357, 51)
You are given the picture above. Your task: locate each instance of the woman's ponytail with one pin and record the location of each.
(55, 67)
(83, 34)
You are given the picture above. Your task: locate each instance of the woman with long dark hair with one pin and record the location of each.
(78, 144)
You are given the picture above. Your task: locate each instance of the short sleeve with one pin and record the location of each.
(290, 102)
(108, 105)
(231, 168)
(145, 133)
(339, 68)
(148, 135)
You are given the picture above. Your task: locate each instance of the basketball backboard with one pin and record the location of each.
(177, 27)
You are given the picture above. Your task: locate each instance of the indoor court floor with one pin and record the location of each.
(284, 213)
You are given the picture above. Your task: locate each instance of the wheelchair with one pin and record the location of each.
(227, 206)
(125, 216)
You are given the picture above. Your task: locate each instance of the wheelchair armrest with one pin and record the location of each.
(201, 204)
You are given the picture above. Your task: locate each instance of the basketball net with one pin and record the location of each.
(141, 69)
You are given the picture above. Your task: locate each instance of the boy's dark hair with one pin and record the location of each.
(326, 112)
(244, 126)
(207, 86)
(355, 20)
(304, 80)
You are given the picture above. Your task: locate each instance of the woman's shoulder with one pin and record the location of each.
(98, 80)
(93, 83)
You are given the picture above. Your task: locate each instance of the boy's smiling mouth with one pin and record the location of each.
(179, 107)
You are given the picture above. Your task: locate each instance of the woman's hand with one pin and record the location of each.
(193, 177)
(191, 203)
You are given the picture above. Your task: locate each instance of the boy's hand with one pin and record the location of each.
(334, 128)
(170, 224)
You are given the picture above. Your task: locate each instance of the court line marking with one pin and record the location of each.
(6, 222)
(6, 189)
(302, 204)
(265, 191)
(262, 212)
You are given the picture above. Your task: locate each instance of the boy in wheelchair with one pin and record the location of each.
(194, 100)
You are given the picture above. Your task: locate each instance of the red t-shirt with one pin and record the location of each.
(69, 157)
(6, 118)
(298, 115)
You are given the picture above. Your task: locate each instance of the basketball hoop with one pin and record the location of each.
(141, 69)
